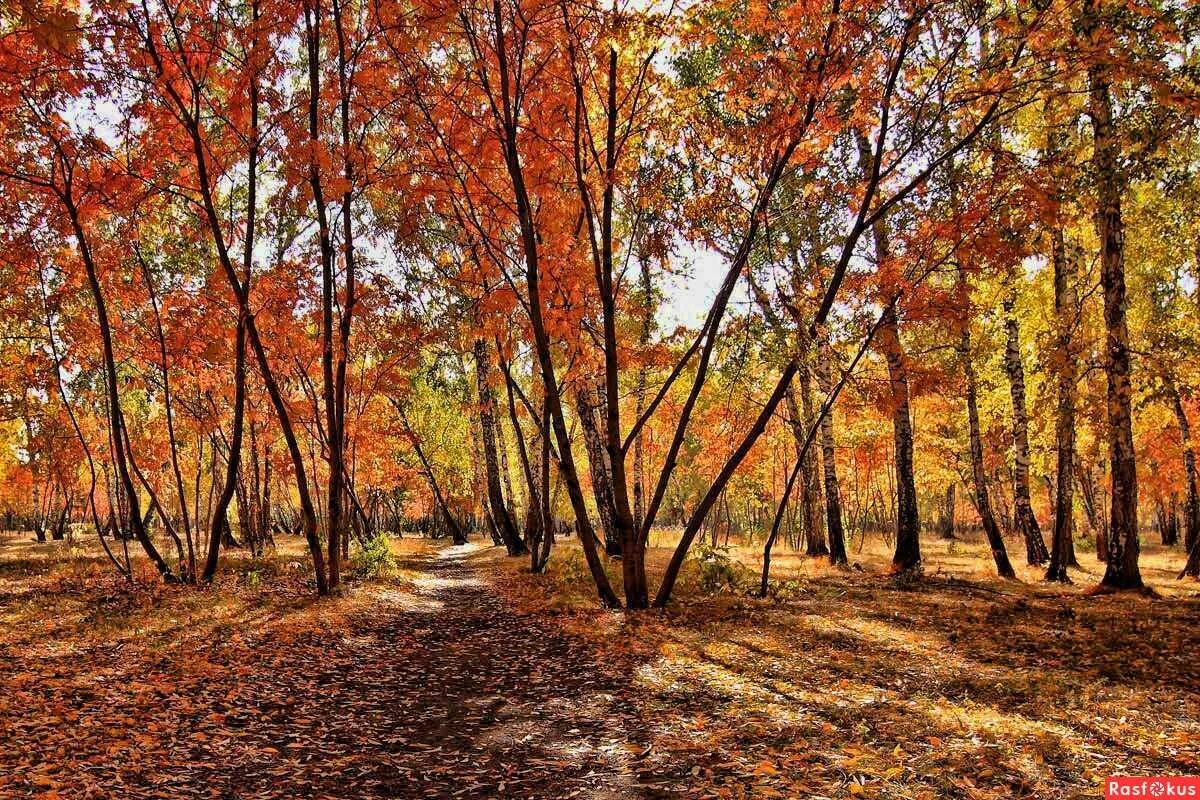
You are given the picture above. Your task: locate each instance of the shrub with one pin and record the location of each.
(573, 570)
(716, 570)
(374, 559)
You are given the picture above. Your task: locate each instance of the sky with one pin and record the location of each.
(688, 293)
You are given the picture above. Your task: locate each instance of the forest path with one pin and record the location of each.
(427, 686)
(445, 694)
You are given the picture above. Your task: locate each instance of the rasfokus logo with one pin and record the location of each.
(1164, 786)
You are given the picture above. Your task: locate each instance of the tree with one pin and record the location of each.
(1026, 521)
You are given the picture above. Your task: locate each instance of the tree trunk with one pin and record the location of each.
(531, 469)
(671, 574)
(591, 407)
(1167, 520)
(505, 527)
(1097, 521)
(1062, 550)
(535, 519)
(639, 448)
(58, 532)
(540, 556)
(168, 406)
(780, 511)
(907, 556)
(220, 522)
(1191, 511)
(833, 495)
(39, 529)
(1121, 571)
(456, 531)
(908, 525)
(340, 487)
(116, 419)
(510, 497)
(826, 407)
(979, 476)
(1023, 517)
(815, 543)
(183, 109)
(1192, 567)
(946, 524)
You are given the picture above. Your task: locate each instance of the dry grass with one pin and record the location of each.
(964, 559)
(65, 596)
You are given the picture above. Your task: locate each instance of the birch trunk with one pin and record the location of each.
(833, 494)
(979, 476)
(639, 491)
(816, 544)
(1023, 517)
(1121, 571)
(908, 523)
(1191, 511)
(1062, 550)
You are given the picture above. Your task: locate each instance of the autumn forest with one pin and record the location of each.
(531, 398)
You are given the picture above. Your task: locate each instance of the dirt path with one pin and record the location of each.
(453, 697)
(447, 694)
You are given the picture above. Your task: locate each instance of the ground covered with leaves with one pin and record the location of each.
(458, 674)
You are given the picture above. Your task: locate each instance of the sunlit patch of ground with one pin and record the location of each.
(850, 683)
(60, 595)
(459, 673)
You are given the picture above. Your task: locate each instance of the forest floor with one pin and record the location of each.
(462, 675)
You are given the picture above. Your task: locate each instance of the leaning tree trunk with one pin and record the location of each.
(982, 499)
(1023, 517)
(116, 419)
(807, 502)
(531, 468)
(1121, 571)
(455, 530)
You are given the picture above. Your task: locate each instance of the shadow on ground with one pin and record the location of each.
(443, 684)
